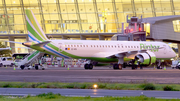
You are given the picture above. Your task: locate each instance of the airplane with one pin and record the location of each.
(141, 53)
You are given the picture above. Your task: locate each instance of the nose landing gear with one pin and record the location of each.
(88, 66)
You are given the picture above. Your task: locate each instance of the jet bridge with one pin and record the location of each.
(29, 59)
(134, 32)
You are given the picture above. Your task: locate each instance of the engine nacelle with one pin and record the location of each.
(146, 58)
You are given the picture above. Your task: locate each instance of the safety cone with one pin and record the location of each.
(67, 68)
(154, 67)
(164, 67)
(14, 68)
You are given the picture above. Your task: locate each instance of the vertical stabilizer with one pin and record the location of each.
(35, 32)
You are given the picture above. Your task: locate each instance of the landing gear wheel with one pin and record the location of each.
(115, 66)
(124, 65)
(86, 66)
(141, 67)
(1, 65)
(134, 67)
(120, 66)
(90, 66)
(158, 67)
(36, 67)
(22, 67)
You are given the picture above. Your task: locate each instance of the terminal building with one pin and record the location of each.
(89, 19)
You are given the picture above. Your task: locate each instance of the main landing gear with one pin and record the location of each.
(88, 66)
(117, 66)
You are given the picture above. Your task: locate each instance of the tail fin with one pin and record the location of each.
(35, 31)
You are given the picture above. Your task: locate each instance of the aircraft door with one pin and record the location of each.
(60, 47)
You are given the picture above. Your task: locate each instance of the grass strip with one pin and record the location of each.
(58, 97)
(88, 85)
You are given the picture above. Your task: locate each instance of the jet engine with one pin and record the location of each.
(146, 58)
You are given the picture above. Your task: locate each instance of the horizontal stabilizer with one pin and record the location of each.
(36, 43)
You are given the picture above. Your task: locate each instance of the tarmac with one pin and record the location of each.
(98, 74)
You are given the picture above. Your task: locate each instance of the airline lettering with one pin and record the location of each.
(153, 48)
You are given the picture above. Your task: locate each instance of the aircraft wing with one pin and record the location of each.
(121, 54)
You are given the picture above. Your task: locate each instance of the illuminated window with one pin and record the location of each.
(176, 25)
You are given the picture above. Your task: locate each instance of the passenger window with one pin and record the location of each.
(137, 46)
(77, 45)
(97, 45)
(94, 46)
(91, 46)
(102, 45)
(86, 45)
(108, 46)
(68, 45)
(122, 46)
(74, 45)
(83, 45)
(112, 46)
(71, 45)
(134, 46)
(128, 46)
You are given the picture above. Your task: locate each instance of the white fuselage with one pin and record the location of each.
(89, 48)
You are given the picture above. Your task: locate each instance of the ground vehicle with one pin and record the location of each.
(6, 61)
(175, 64)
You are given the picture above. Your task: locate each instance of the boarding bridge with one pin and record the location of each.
(29, 59)
(134, 32)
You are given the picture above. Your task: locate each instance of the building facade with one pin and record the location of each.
(77, 19)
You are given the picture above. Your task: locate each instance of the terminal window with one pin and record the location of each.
(176, 25)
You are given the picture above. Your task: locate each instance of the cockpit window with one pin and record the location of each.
(169, 47)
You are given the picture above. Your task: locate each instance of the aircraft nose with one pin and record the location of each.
(174, 54)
